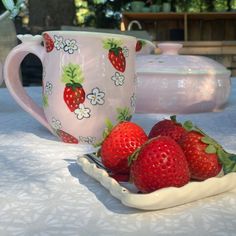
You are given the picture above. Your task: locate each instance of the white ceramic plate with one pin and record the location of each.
(160, 199)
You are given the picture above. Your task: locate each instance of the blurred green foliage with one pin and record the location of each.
(107, 13)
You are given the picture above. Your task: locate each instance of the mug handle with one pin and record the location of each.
(30, 44)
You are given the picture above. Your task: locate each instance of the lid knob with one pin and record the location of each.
(170, 48)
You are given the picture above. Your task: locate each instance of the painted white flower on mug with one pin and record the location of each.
(58, 42)
(89, 140)
(56, 124)
(82, 112)
(70, 46)
(133, 100)
(125, 51)
(96, 97)
(48, 88)
(118, 79)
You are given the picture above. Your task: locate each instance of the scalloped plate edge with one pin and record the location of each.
(163, 198)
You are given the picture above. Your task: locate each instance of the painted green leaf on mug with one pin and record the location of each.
(72, 73)
(111, 43)
(45, 101)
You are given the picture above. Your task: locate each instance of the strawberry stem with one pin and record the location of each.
(173, 118)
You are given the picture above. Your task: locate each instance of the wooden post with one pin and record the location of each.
(185, 27)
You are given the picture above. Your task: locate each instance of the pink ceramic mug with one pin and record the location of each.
(87, 78)
(1, 73)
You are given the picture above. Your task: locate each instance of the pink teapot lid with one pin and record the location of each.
(170, 62)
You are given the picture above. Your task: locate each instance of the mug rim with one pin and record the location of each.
(90, 33)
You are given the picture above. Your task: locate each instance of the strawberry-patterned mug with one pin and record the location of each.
(88, 78)
(1, 73)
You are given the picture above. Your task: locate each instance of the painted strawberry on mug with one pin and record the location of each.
(48, 42)
(66, 138)
(139, 45)
(115, 55)
(63, 136)
(74, 94)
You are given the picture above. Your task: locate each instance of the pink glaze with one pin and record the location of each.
(76, 63)
(172, 83)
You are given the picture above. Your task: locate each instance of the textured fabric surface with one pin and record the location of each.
(44, 192)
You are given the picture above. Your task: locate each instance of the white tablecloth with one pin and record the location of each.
(44, 192)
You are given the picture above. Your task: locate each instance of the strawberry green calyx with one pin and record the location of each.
(106, 132)
(109, 127)
(124, 114)
(213, 145)
(174, 119)
(189, 126)
(227, 160)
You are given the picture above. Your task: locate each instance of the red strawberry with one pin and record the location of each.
(120, 143)
(48, 42)
(120, 177)
(115, 55)
(202, 163)
(117, 59)
(66, 138)
(73, 95)
(168, 128)
(159, 163)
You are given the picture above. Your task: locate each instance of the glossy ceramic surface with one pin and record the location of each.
(1, 73)
(145, 47)
(172, 83)
(87, 78)
(159, 199)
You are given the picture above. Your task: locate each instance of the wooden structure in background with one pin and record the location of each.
(212, 33)
(196, 26)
